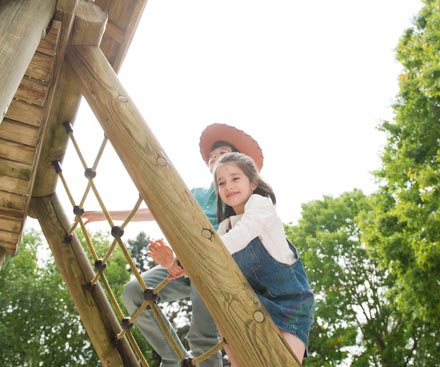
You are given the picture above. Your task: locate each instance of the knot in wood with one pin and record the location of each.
(122, 99)
(161, 161)
(206, 233)
(258, 316)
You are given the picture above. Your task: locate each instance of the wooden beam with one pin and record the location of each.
(23, 24)
(89, 26)
(233, 304)
(96, 313)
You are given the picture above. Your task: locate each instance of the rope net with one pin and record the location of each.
(101, 263)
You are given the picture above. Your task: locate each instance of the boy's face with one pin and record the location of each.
(215, 155)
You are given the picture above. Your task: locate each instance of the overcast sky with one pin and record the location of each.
(310, 81)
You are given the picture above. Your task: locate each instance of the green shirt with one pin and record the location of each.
(207, 199)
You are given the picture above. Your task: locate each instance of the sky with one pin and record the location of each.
(310, 80)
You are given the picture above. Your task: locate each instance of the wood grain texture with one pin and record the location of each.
(22, 26)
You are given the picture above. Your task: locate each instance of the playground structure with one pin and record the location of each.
(53, 54)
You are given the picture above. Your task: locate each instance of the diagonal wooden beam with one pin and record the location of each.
(23, 24)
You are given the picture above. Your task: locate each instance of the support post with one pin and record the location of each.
(96, 313)
(23, 24)
(239, 314)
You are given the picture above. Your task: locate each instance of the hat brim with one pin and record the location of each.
(236, 137)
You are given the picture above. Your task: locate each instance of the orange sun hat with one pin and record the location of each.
(239, 139)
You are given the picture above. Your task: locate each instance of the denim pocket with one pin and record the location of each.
(247, 260)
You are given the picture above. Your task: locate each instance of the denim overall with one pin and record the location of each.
(283, 289)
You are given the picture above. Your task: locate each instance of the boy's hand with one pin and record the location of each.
(161, 253)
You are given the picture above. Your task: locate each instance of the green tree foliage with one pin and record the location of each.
(39, 325)
(138, 251)
(403, 229)
(354, 322)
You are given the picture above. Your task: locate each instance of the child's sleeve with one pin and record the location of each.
(258, 212)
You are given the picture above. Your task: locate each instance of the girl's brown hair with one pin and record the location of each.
(247, 165)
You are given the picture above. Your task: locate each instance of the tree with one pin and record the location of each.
(354, 321)
(403, 229)
(39, 325)
(138, 251)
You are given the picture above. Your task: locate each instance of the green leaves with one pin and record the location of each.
(38, 322)
(349, 287)
(410, 246)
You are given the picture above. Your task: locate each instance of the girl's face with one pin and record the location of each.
(215, 155)
(234, 186)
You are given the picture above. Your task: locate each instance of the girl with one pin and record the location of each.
(254, 235)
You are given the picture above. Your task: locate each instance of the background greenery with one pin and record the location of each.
(373, 261)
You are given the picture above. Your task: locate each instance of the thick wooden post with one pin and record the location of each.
(236, 309)
(96, 314)
(22, 25)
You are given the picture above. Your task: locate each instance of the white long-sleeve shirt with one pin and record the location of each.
(258, 220)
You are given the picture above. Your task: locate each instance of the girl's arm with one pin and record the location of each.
(259, 212)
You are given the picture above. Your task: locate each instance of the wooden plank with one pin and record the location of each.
(11, 213)
(22, 23)
(10, 224)
(11, 227)
(15, 151)
(9, 238)
(48, 45)
(12, 202)
(24, 112)
(15, 185)
(15, 169)
(249, 330)
(8, 241)
(40, 67)
(32, 91)
(19, 133)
